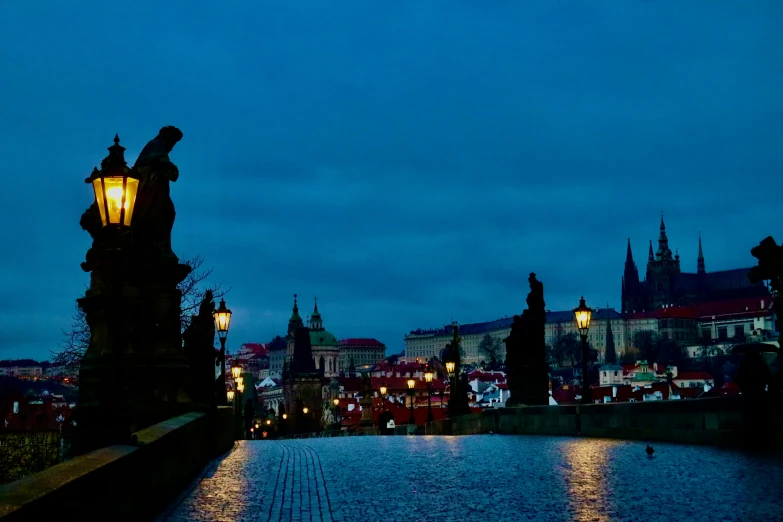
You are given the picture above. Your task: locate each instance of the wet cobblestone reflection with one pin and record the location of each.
(480, 478)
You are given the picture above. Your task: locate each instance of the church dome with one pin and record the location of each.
(322, 338)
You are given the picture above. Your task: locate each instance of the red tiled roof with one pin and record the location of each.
(693, 376)
(360, 342)
(394, 384)
(743, 307)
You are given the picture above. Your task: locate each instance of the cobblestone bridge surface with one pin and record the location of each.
(481, 477)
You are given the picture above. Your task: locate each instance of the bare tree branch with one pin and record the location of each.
(77, 338)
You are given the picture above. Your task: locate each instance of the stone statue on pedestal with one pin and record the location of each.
(366, 402)
(198, 346)
(526, 352)
(134, 373)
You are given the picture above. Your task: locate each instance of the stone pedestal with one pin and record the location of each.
(134, 373)
(366, 420)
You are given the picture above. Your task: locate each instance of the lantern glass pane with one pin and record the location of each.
(222, 321)
(97, 187)
(117, 199)
(131, 188)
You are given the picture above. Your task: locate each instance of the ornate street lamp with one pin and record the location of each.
(411, 386)
(236, 371)
(583, 314)
(450, 368)
(115, 188)
(222, 317)
(230, 395)
(428, 379)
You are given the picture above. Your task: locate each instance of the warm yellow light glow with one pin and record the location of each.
(583, 319)
(241, 388)
(251, 430)
(450, 367)
(222, 317)
(236, 371)
(336, 402)
(383, 389)
(582, 314)
(115, 197)
(411, 384)
(428, 376)
(258, 425)
(305, 410)
(240, 380)
(268, 422)
(230, 395)
(285, 416)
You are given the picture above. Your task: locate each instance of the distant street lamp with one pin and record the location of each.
(450, 368)
(583, 314)
(222, 317)
(285, 416)
(428, 379)
(230, 395)
(383, 389)
(115, 188)
(411, 386)
(305, 410)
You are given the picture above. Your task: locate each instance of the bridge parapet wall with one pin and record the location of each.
(724, 421)
(129, 481)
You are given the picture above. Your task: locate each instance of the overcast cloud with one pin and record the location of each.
(406, 162)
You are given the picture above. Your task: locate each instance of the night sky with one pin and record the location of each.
(407, 162)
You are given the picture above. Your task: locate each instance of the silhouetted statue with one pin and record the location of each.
(154, 213)
(526, 352)
(198, 346)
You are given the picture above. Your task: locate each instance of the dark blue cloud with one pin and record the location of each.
(406, 162)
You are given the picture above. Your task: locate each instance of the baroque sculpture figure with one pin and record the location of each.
(198, 346)
(526, 352)
(154, 214)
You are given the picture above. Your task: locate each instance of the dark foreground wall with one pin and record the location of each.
(122, 482)
(724, 421)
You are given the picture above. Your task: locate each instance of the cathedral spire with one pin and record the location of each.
(700, 261)
(650, 253)
(663, 253)
(630, 282)
(610, 355)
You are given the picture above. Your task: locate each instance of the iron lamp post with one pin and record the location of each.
(583, 314)
(428, 379)
(411, 386)
(222, 317)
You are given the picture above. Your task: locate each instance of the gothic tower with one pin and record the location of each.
(293, 323)
(631, 292)
(662, 272)
(700, 260)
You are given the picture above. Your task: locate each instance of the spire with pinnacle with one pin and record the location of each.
(663, 253)
(610, 355)
(316, 322)
(700, 261)
(650, 256)
(630, 286)
(295, 321)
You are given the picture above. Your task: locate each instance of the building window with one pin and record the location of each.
(739, 332)
(723, 333)
(706, 334)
